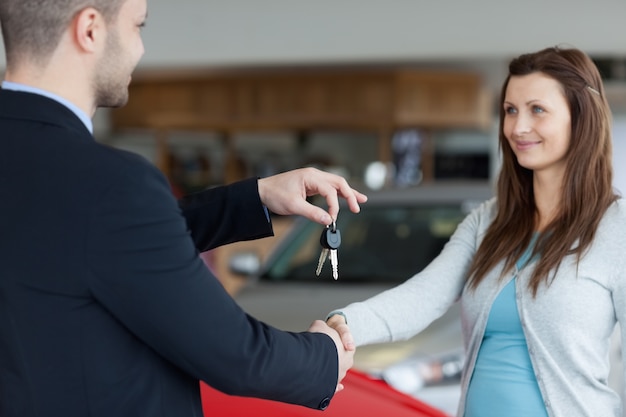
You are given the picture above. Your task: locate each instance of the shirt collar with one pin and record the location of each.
(9, 85)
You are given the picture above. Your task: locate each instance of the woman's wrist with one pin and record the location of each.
(336, 317)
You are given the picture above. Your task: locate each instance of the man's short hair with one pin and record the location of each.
(33, 28)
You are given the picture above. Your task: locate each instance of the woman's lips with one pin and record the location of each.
(524, 145)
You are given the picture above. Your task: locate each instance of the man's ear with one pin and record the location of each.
(88, 29)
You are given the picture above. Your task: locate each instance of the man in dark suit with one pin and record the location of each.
(105, 307)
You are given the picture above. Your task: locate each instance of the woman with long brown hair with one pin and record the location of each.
(539, 269)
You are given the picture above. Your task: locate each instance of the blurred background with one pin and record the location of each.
(229, 89)
(401, 92)
(398, 96)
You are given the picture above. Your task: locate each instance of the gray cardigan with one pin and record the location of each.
(567, 326)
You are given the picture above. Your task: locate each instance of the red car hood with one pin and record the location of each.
(363, 396)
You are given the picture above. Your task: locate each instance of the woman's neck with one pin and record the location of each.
(547, 193)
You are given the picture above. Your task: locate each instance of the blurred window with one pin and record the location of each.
(382, 243)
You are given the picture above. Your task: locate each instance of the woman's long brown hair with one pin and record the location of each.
(587, 189)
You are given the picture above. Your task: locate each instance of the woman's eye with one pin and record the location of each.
(510, 110)
(537, 109)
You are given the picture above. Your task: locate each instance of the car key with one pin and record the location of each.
(320, 262)
(330, 241)
(324, 254)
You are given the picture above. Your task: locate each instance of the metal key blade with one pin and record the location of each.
(325, 250)
(334, 263)
(320, 262)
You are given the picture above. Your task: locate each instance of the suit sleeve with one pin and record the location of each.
(146, 272)
(225, 214)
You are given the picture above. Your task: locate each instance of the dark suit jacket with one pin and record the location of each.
(105, 307)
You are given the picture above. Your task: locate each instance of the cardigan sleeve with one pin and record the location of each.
(403, 311)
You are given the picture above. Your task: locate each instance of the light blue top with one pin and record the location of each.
(504, 383)
(84, 117)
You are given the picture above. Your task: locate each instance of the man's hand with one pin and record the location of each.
(338, 322)
(346, 357)
(286, 193)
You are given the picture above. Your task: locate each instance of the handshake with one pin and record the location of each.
(337, 329)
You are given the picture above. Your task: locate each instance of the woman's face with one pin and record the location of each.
(537, 122)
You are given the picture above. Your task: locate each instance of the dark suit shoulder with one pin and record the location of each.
(116, 163)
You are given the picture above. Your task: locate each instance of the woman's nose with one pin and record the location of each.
(521, 125)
